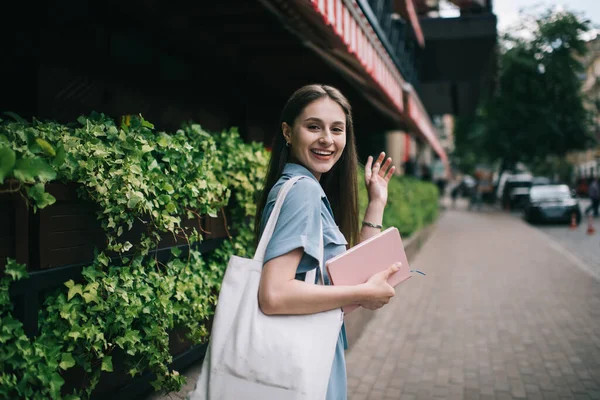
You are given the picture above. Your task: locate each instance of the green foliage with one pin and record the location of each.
(537, 110)
(133, 173)
(132, 306)
(412, 203)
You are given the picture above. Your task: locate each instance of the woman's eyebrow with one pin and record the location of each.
(313, 119)
(320, 120)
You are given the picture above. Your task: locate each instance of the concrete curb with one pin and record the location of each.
(358, 319)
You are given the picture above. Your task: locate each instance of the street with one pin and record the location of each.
(578, 242)
(504, 312)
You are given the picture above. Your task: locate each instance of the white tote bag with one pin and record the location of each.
(261, 357)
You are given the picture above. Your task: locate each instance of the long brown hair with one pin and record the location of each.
(340, 183)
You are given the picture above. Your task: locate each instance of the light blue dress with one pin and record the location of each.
(298, 226)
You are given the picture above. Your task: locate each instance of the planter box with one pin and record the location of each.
(56, 242)
(14, 228)
(68, 232)
(112, 384)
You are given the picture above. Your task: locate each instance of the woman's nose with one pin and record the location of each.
(326, 137)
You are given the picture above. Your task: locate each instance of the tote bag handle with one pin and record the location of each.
(270, 228)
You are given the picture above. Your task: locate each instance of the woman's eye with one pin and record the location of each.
(313, 127)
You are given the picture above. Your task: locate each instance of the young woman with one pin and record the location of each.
(317, 141)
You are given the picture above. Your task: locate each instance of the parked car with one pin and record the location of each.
(540, 181)
(551, 203)
(516, 191)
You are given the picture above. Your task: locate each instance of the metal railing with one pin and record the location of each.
(396, 36)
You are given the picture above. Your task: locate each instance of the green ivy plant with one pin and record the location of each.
(133, 304)
(27, 161)
(134, 174)
(412, 204)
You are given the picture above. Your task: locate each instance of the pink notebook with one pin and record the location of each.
(357, 265)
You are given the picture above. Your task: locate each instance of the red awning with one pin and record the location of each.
(361, 41)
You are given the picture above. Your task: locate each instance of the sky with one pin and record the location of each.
(507, 11)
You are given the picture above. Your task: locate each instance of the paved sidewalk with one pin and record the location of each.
(501, 314)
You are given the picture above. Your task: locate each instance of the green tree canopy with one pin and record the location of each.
(536, 110)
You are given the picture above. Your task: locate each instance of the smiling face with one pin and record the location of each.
(318, 136)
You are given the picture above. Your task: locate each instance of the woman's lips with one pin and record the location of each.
(322, 155)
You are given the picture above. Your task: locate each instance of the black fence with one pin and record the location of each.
(396, 35)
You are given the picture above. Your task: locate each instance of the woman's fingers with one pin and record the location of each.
(376, 167)
(373, 169)
(390, 174)
(385, 167)
(368, 167)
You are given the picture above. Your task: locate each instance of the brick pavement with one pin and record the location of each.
(501, 314)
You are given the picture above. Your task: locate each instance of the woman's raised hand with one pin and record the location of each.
(378, 291)
(377, 177)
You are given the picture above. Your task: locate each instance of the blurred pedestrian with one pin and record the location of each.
(455, 192)
(476, 196)
(594, 194)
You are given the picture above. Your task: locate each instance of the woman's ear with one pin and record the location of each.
(287, 132)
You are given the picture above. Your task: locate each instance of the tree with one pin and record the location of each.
(536, 110)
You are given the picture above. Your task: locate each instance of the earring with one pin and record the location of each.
(287, 144)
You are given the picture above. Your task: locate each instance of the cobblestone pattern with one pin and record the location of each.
(501, 314)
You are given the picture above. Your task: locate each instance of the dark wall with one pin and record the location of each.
(229, 65)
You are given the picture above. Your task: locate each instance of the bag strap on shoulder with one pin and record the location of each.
(272, 222)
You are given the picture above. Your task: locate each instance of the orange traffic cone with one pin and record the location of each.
(590, 228)
(573, 222)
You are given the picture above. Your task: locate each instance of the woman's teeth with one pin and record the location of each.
(322, 153)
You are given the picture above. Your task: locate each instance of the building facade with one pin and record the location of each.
(586, 163)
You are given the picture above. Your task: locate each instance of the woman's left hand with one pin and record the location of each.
(377, 177)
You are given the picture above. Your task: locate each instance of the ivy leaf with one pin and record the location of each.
(107, 364)
(135, 198)
(46, 147)
(103, 259)
(88, 297)
(27, 169)
(15, 270)
(91, 273)
(147, 124)
(176, 251)
(171, 208)
(168, 188)
(164, 140)
(56, 383)
(59, 159)
(73, 290)
(66, 361)
(40, 196)
(7, 162)
(75, 334)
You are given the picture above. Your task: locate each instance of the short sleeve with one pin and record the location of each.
(298, 224)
